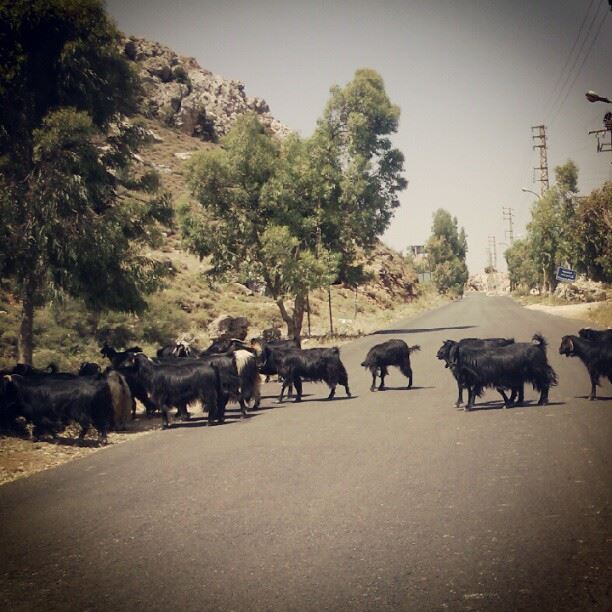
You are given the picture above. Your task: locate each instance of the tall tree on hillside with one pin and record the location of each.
(360, 171)
(257, 217)
(593, 236)
(71, 219)
(446, 250)
(294, 212)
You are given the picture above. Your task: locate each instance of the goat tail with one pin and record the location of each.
(249, 379)
(539, 340)
(413, 349)
(552, 376)
(367, 363)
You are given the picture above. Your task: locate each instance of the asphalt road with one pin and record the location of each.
(389, 500)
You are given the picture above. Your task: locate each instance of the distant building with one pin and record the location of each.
(418, 253)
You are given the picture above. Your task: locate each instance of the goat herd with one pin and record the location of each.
(229, 371)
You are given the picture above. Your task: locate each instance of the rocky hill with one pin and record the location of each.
(179, 93)
(186, 109)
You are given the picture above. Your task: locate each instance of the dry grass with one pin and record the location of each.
(602, 315)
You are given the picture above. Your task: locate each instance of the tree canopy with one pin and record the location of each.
(565, 230)
(74, 210)
(446, 252)
(294, 212)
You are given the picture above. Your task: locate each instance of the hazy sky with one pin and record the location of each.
(470, 76)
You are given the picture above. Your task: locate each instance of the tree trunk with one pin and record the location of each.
(287, 318)
(293, 320)
(25, 340)
(299, 307)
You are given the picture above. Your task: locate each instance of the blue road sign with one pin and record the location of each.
(566, 275)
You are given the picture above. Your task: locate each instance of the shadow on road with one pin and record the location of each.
(499, 405)
(318, 399)
(387, 388)
(418, 331)
(599, 397)
(202, 421)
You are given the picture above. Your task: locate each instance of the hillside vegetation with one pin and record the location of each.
(67, 333)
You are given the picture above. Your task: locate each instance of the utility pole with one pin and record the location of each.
(507, 214)
(604, 135)
(493, 252)
(538, 135)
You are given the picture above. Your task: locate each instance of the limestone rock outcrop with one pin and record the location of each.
(180, 93)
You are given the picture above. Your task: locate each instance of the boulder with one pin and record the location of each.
(226, 326)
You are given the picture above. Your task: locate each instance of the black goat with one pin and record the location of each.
(507, 367)
(88, 368)
(238, 380)
(225, 345)
(118, 357)
(451, 352)
(179, 349)
(390, 353)
(51, 402)
(316, 365)
(178, 384)
(24, 369)
(137, 388)
(596, 356)
(596, 335)
(270, 354)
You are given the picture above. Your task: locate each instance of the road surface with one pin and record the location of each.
(390, 500)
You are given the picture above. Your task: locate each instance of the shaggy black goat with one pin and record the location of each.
(179, 349)
(596, 356)
(118, 357)
(137, 388)
(451, 353)
(270, 354)
(225, 345)
(507, 367)
(390, 353)
(178, 384)
(596, 335)
(51, 402)
(239, 380)
(89, 368)
(315, 365)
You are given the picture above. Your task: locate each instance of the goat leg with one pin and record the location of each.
(298, 388)
(507, 402)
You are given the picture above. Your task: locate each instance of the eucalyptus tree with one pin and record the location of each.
(361, 173)
(256, 216)
(446, 251)
(293, 212)
(74, 211)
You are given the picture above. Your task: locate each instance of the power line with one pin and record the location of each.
(567, 61)
(570, 72)
(586, 57)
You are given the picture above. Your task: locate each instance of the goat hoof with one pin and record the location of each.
(372, 388)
